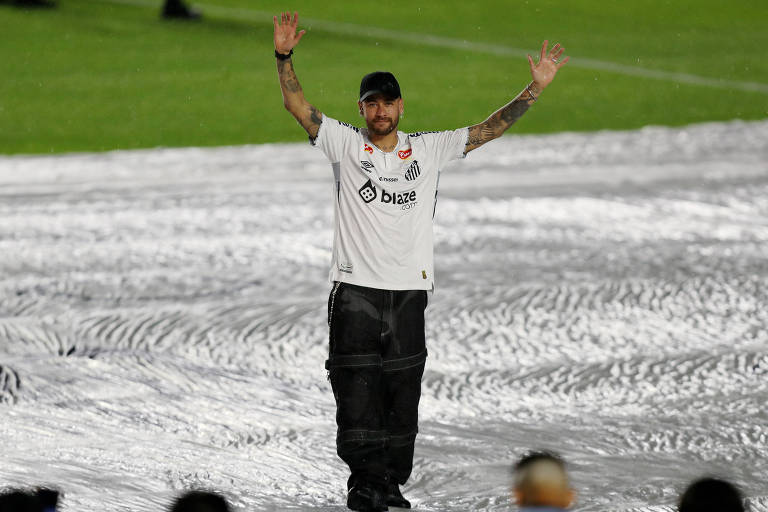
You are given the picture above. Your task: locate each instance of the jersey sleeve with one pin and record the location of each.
(446, 145)
(334, 137)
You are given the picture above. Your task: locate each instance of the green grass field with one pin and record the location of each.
(96, 75)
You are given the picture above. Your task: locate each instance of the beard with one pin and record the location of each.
(378, 128)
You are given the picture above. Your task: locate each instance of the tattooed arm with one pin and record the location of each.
(497, 123)
(293, 99)
(286, 39)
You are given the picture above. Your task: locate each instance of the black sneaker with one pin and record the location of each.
(395, 497)
(366, 498)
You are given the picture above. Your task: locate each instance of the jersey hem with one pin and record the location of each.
(427, 286)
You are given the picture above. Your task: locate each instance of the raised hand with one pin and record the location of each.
(286, 37)
(543, 72)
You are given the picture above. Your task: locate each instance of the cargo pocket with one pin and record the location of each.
(356, 384)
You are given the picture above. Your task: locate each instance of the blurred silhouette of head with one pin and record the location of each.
(49, 498)
(711, 495)
(200, 501)
(20, 501)
(541, 480)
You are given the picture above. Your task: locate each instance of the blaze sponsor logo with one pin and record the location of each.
(367, 192)
(407, 200)
(404, 154)
(368, 149)
(404, 200)
(413, 171)
(366, 166)
(386, 178)
(419, 134)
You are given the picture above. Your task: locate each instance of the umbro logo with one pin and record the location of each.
(413, 171)
(366, 166)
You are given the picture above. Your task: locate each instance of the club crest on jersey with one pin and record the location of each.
(368, 149)
(404, 154)
(367, 192)
(413, 171)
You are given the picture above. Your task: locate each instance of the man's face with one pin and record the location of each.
(381, 114)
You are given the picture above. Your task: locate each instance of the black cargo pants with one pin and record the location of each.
(377, 355)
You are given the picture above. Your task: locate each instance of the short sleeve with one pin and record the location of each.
(333, 137)
(446, 145)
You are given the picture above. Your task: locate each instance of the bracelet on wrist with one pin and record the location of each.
(530, 92)
(283, 56)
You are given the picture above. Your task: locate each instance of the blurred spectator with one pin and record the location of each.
(19, 501)
(29, 3)
(172, 9)
(49, 499)
(40, 500)
(200, 501)
(711, 495)
(540, 483)
(177, 9)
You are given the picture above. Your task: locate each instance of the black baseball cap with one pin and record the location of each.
(379, 82)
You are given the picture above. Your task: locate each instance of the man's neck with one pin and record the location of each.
(386, 143)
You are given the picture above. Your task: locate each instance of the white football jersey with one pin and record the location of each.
(384, 204)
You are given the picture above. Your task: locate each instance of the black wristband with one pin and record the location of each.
(283, 56)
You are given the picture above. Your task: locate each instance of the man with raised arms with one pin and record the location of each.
(385, 189)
